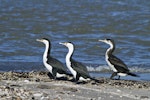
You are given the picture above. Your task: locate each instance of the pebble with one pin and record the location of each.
(27, 81)
(118, 90)
(37, 94)
(12, 91)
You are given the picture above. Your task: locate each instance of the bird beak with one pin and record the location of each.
(39, 40)
(62, 43)
(101, 40)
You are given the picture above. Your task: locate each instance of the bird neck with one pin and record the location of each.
(68, 61)
(110, 50)
(69, 54)
(69, 57)
(46, 52)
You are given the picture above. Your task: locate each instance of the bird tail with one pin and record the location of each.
(132, 74)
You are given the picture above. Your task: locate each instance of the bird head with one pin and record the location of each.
(43, 40)
(67, 44)
(108, 41)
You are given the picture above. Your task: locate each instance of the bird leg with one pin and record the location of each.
(113, 74)
(50, 75)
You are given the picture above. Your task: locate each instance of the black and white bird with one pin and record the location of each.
(118, 66)
(54, 66)
(78, 70)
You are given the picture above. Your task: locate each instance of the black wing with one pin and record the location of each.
(56, 64)
(80, 68)
(118, 64)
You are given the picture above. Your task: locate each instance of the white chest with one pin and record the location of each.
(111, 66)
(49, 67)
(68, 63)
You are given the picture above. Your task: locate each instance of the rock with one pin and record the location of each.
(37, 94)
(144, 97)
(27, 81)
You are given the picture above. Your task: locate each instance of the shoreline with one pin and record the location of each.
(37, 85)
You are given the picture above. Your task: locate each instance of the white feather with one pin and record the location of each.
(84, 79)
(49, 67)
(68, 63)
(106, 58)
(122, 74)
(60, 75)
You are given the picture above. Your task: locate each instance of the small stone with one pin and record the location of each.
(26, 81)
(37, 94)
(144, 97)
(37, 80)
(118, 90)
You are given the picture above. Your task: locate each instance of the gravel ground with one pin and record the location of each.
(38, 86)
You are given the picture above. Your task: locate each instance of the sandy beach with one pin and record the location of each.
(38, 86)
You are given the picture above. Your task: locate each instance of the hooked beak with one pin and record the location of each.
(39, 40)
(101, 40)
(62, 43)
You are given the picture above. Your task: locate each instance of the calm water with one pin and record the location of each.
(82, 22)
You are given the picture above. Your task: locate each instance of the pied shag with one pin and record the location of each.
(78, 70)
(55, 67)
(118, 66)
